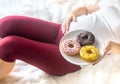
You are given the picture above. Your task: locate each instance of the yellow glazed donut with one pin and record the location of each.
(89, 53)
(5, 68)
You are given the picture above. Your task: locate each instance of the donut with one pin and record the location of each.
(89, 53)
(86, 38)
(70, 47)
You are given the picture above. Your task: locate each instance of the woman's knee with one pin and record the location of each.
(8, 20)
(8, 48)
(9, 43)
(7, 25)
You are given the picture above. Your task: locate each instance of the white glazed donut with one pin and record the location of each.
(70, 47)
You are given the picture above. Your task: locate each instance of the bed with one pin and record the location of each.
(105, 72)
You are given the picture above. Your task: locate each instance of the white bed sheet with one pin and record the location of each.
(106, 72)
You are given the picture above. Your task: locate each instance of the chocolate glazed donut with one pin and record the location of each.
(85, 38)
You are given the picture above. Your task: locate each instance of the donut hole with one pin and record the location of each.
(85, 37)
(71, 45)
(89, 51)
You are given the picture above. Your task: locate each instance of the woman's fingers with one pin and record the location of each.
(112, 48)
(107, 47)
(66, 23)
(63, 27)
(74, 18)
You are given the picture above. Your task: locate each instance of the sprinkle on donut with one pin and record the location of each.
(70, 47)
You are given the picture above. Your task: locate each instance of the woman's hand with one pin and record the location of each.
(67, 21)
(112, 48)
(78, 12)
(72, 17)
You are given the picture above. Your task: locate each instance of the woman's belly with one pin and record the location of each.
(111, 17)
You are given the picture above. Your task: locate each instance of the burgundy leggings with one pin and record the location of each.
(33, 41)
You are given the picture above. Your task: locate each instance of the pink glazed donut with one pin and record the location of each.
(70, 47)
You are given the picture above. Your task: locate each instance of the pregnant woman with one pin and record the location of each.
(37, 42)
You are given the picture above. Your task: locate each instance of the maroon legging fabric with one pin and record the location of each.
(34, 41)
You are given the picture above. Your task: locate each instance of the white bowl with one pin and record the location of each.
(76, 59)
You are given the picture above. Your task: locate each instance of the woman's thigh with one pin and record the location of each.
(29, 27)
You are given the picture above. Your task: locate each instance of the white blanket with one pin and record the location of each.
(105, 72)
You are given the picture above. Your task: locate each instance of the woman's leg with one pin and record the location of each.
(33, 42)
(42, 55)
